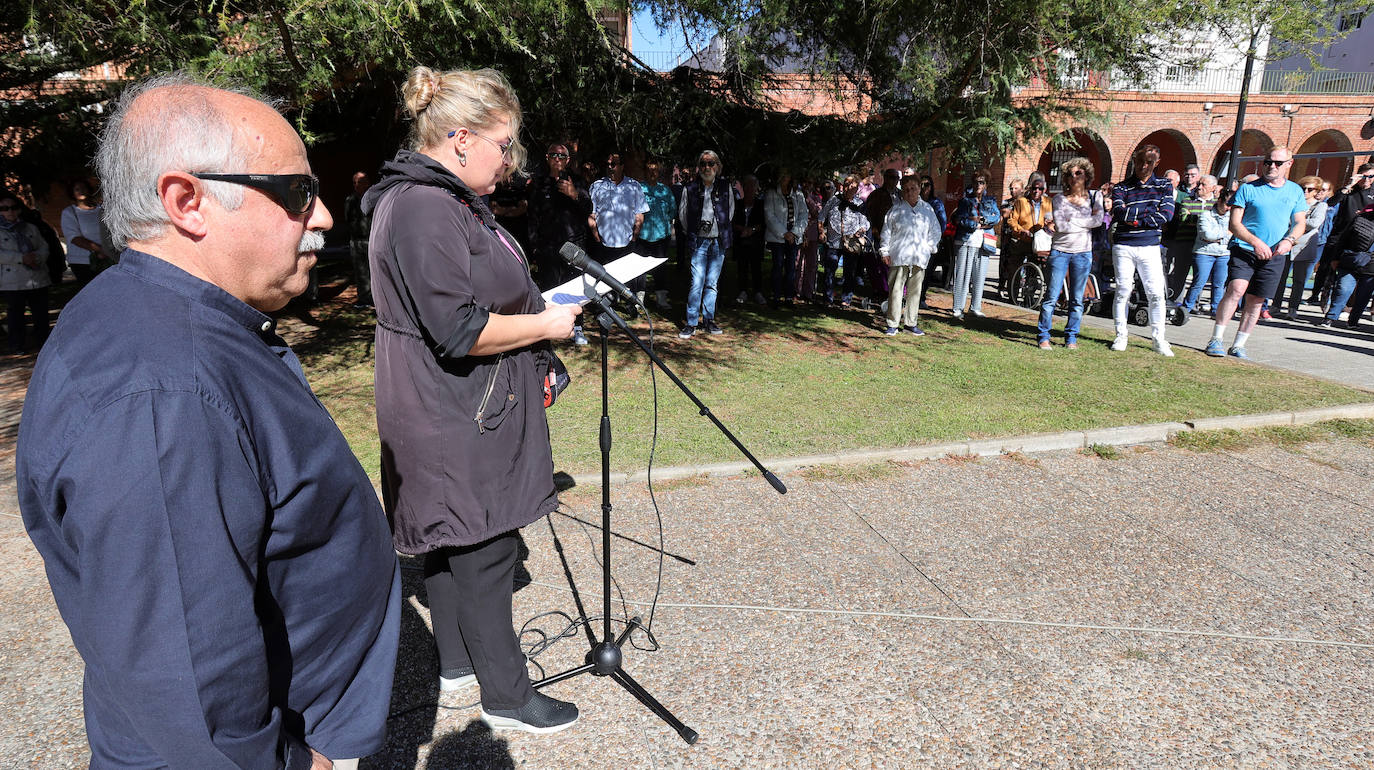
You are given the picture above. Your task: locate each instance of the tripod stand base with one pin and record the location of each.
(604, 659)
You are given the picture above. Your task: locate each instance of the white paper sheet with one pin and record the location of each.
(625, 269)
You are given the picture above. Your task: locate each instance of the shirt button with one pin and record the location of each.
(266, 326)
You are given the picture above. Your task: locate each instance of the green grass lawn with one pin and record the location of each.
(800, 382)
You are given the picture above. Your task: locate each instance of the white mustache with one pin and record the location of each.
(311, 240)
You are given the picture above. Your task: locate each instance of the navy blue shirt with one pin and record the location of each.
(216, 550)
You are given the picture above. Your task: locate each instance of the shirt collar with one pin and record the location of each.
(163, 273)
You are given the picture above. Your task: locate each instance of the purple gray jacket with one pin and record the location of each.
(465, 442)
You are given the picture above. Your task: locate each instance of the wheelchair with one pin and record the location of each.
(1028, 286)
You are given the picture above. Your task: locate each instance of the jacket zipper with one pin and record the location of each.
(486, 397)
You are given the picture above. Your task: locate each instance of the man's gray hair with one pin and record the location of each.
(187, 133)
(712, 153)
(1207, 179)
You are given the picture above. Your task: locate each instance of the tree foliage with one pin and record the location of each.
(923, 74)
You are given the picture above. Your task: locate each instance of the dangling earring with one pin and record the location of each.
(462, 158)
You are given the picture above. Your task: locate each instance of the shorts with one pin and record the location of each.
(1263, 274)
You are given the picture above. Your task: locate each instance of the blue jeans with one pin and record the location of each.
(1207, 268)
(707, 260)
(1352, 288)
(1076, 267)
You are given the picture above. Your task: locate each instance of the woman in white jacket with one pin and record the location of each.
(785, 217)
(1077, 211)
(911, 233)
(24, 278)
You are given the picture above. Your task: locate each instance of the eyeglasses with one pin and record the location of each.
(294, 192)
(1311, 189)
(10, 208)
(504, 147)
(557, 156)
(709, 164)
(1367, 176)
(1077, 172)
(1272, 162)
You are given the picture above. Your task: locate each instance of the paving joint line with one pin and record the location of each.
(1035, 443)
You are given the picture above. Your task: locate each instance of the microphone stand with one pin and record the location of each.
(605, 657)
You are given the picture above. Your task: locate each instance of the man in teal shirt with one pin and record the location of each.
(1267, 217)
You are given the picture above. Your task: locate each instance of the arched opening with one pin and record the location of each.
(1334, 170)
(1252, 142)
(1175, 151)
(1074, 143)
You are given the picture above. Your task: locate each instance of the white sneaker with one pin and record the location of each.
(742, 298)
(1162, 348)
(1119, 344)
(456, 683)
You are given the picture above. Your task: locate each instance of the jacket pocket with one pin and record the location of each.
(498, 398)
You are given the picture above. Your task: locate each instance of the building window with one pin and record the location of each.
(1349, 21)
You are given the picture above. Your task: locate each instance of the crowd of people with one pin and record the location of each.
(826, 241)
(216, 549)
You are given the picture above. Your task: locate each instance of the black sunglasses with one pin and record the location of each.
(296, 193)
(10, 208)
(1272, 162)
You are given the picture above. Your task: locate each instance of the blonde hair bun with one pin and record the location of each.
(419, 90)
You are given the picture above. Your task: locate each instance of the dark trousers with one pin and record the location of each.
(16, 302)
(362, 271)
(940, 259)
(749, 265)
(83, 273)
(784, 272)
(470, 590)
(655, 250)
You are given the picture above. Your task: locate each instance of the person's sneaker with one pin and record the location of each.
(1266, 316)
(1162, 348)
(1073, 345)
(1291, 315)
(978, 313)
(1119, 344)
(957, 316)
(1323, 322)
(712, 328)
(1215, 349)
(742, 298)
(457, 679)
(1045, 345)
(1238, 353)
(890, 331)
(541, 715)
(687, 332)
(578, 337)
(916, 331)
(759, 299)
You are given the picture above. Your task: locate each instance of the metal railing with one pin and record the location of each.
(1184, 79)
(663, 61)
(1321, 82)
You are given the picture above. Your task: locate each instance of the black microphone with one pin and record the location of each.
(575, 256)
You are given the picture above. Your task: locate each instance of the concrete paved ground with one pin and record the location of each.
(1189, 611)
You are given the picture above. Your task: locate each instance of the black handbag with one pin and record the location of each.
(1360, 235)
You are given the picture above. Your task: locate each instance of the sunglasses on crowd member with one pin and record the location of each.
(1038, 187)
(1311, 189)
(294, 192)
(1272, 162)
(1367, 176)
(557, 155)
(708, 163)
(10, 208)
(1077, 172)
